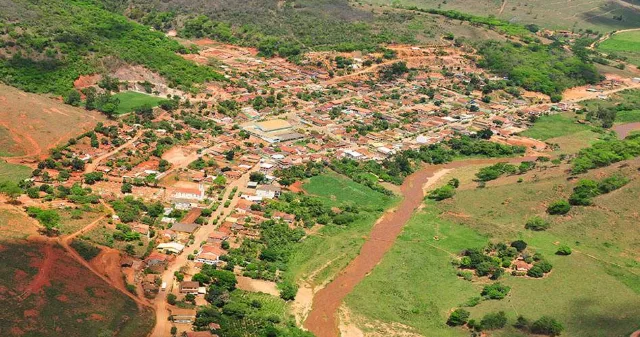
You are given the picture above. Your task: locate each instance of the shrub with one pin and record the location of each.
(537, 224)
(172, 299)
(519, 245)
(288, 290)
(458, 317)
(472, 302)
(444, 192)
(547, 326)
(492, 321)
(559, 207)
(85, 249)
(496, 291)
(564, 250)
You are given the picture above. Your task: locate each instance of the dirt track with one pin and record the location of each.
(323, 318)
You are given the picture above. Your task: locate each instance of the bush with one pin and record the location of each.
(496, 291)
(519, 245)
(564, 250)
(535, 271)
(559, 207)
(85, 249)
(444, 192)
(172, 299)
(547, 326)
(458, 317)
(537, 224)
(492, 321)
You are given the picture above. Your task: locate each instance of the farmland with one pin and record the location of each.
(555, 126)
(625, 44)
(415, 275)
(130, 100)
(336, 189)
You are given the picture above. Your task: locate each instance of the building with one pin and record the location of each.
(185, 227)
(268, 191)
(171, 247)
(209, 254)
(189, 287)
(185, 316)
(191, 194)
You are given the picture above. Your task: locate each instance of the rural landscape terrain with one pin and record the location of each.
(328, 168)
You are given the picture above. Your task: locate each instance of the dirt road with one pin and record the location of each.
(323, 319)
(623, 130)
(163, 326)
(95, 162)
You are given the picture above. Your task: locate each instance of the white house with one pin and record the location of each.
(171, 247)
(268, 191)
(209, 254)
(189, 193)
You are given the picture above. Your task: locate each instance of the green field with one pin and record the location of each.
(335, 190)
(593, 292)
(130, 100)
(329, 250)
(13, 172)
(623, 44)
(554, 126)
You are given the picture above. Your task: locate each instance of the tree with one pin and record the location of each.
(547, 326)
(496, 291)
(230, 155)
(492, 321)
(258, 177)
(559, 207)
(126, 188)
(288, 290)
(564, 250)
(11, 190)
(174, 330)
(458, 317)
(72, 98)
(455, 182)
(519, 245)
(485, 133)
(145, 112)
(172, 299)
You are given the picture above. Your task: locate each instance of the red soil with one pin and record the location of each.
(296, 187)
(44, 268)
(323, 319)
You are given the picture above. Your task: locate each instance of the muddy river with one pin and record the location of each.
(322, 319)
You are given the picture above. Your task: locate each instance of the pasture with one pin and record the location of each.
(553, 126)
(13, 172)
(131, 100)
(623, 44)
(336, 190)
(591, 292)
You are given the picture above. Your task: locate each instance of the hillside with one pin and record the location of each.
(45, 46)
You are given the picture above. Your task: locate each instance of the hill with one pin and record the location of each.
(600, 15)
(26, 122)
(45, 46)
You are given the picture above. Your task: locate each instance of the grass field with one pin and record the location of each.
(554, 126)
(330, 249)
(623, 44)
(67, 300)
(592, 292)
(335, 190)
(70, 225)
(130, 100)
(13, 172)
(629, 98)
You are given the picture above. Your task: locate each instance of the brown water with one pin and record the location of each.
(623, 130)
(322, 319)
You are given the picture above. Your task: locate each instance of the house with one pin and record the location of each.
(521, 265)
(171, 247)
(268, 191)
(189, 287)
(186, 316)
(189, 193)
(288, 218)
(209, 254)
(156, 261)
(217, 237)
(185, 227)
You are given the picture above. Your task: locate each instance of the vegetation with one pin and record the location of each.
(605, 153)
(87, 250)
(61, 40)
(559, 207)
(537, 67)
(553, 126)
(130, 101)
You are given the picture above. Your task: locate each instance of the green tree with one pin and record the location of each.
(172, 299)
(493, 321)
(547, 326)
(564, 250)
(458, 317)
(559, 207)
(73, 98)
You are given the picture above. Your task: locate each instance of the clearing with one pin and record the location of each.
(131, 100)
(30, 124)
